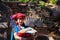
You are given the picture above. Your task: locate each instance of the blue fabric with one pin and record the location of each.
(15, 28)
(12, 33)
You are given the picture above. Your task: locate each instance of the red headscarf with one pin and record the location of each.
(18, 15)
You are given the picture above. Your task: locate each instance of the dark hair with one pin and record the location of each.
(24, 25)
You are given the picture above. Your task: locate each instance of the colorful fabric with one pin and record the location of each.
(15, 29)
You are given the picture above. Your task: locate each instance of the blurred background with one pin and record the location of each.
(42, 15)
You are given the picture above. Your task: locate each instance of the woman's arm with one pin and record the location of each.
(23, 31)
(16, 36)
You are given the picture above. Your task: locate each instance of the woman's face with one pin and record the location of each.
(20, 21)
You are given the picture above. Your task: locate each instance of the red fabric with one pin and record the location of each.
(24, 34)
(14, 16)
(18, 15)
(20, 34)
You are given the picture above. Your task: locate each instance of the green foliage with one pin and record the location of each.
(41, 4)
(10, 0)
(53, 1)
(33, 1)
(24, 1)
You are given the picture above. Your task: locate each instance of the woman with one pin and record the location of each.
(17, 29)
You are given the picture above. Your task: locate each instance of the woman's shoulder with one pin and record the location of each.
(15, 27)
